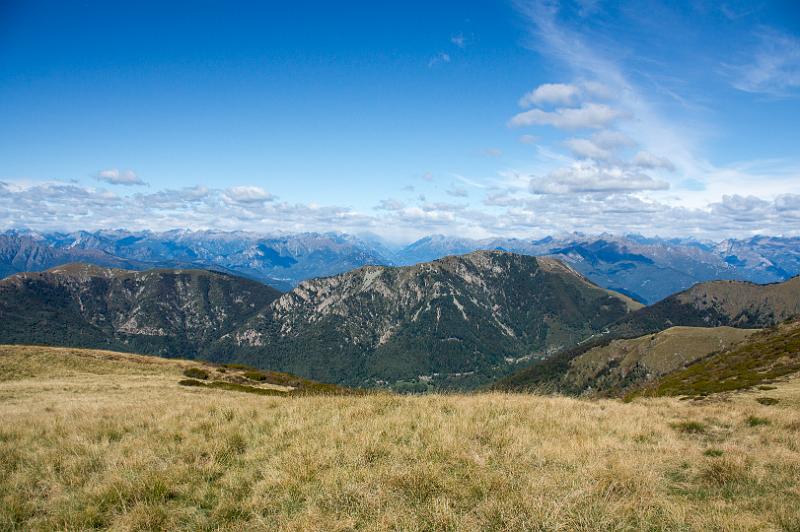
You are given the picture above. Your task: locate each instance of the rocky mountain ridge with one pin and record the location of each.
(458, 321)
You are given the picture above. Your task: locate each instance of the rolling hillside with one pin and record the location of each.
(111, 441)
(706, 306)
(619, 365)
(771, 354)
(716, 304)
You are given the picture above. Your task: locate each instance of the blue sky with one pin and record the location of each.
(472, 119)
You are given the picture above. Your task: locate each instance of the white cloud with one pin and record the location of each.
(645, 159)
(390, 205)
(587, 149)
(788, 203)
(597, 90)
(441, 57)
(584, 197)
(741, 208)
(588, 177)
(457, 192)
(551, 93)
(458, 40)
(773, 67)
(492, 152)
(247, 194)
(529, 139)
(610, 139)
(114, 176)
(588, 116)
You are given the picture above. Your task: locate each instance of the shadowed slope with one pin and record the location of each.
(166, 312)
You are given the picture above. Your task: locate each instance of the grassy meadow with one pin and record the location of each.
(92, 439)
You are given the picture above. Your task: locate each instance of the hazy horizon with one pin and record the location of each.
(395, 244)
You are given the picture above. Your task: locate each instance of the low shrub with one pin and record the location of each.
(237, 366)
(767, 400)
(196, 373)
(255, 376)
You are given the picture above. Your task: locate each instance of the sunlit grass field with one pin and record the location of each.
(99, 440)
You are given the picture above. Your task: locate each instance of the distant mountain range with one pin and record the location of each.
(454, 322)
(647, 269)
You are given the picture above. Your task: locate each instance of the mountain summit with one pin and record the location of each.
(459, 320)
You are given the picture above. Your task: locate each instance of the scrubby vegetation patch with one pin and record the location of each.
(196, 373)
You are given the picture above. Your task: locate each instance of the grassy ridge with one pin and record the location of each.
(20, 362)
(767, 355)
(616, 367)
(93, 442)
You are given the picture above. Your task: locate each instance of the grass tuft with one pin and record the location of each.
(724, 472)
(754, 421)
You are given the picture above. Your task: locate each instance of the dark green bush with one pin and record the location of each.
(196, 373)
(767, 400)
(237, 366)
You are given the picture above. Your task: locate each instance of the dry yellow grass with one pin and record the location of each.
(93, 443)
